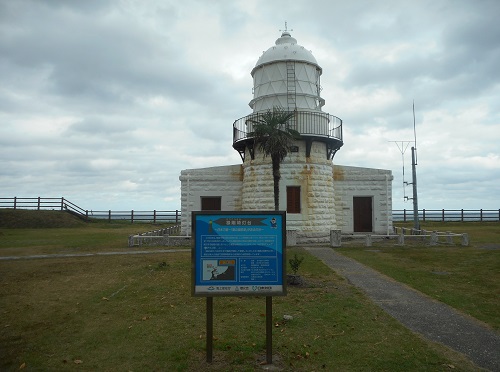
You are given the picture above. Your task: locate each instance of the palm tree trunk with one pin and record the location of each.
(276, 181)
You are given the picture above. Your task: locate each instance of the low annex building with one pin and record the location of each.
(317, 195)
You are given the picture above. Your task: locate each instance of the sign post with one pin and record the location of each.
(238, 254)
(269, 329)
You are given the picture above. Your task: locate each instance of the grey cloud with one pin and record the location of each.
(103, 59)
(135, 109)
(98, 126)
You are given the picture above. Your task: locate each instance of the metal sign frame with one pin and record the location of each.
(238, 253)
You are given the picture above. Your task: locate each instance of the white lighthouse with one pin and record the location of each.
(317, 195)
(288, 76)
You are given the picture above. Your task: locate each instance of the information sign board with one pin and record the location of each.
(238, 253)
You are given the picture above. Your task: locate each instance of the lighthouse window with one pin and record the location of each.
(210, 203)
(293, 199)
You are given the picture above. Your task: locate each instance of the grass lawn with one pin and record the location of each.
(132, 313)
(73, 235)
(466, 278)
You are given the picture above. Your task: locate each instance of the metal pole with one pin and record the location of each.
(269, 329)
(210, 328)
(416, 224)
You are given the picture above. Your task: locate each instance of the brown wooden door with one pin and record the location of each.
(363, 214)
(293, 199)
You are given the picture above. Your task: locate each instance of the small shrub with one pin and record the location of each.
(295, 263)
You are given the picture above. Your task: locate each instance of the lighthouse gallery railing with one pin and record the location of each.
(307, 123)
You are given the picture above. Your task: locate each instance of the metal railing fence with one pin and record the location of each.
(309, 123)
(64, 204)
(448, 215)
(174, 216)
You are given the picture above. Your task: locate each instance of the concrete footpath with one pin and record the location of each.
(432, 319)
(69, 255)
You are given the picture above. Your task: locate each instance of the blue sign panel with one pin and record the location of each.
(238, 253)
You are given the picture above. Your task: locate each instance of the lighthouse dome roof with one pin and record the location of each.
(286, 48)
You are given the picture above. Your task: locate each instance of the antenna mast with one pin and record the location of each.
(416, 223)
(286, 28)
(402, 149)
(415, 133)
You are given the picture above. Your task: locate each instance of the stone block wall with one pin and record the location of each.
(313, 174)
(327, 192)
(350, 182)
(225, 181)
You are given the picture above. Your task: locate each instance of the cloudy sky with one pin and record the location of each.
(105, 102)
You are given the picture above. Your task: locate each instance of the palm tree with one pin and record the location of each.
(274, 137)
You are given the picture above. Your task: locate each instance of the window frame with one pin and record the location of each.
(216, 200)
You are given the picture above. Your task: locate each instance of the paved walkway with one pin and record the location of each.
(432, 319)
(66, 255)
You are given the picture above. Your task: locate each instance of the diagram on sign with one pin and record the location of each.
(219, 270)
